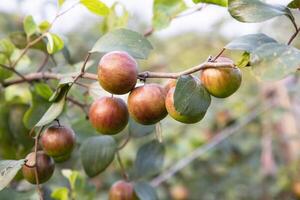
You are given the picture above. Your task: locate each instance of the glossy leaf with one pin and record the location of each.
(249, 42)
(149, 159)
(55, 43)
(54, 110)
(37, 108)
(6, 47)
(29, 25)
(95, 6)
(20, 41)
(190, 96)
(44, 26)
(97, 153)
(244, 60)
(43, 90)
(60, 91)
(8, 170)
(216, 2)
(144, 191)
(60, 193)
(275, 61)
(164, 11)
(139, 130)
(256, 11)
(124, 40)
(294, 4)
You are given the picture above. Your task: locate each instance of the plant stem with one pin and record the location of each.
(124, 174)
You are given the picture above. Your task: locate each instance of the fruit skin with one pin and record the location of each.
(109, 115)
(178, 116)
(117, 72)
(146, 104)
(122, 190)
(170, 84)
(221, 82)
(58, 142)
(179, 192)
(45, 166)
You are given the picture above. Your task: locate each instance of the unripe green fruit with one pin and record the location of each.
(221, 82)
(178, 116)
(58, 142)
(122, 190)
(146, 104)
(45, 167)
(109, 115)
(117, 72)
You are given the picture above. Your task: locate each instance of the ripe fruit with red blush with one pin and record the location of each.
(109, 115)
(122, 190)
(45, 167)
(146, 104)
(58, 142)
(188, 119)
(221, 82)
(117, 72)
(170, 84)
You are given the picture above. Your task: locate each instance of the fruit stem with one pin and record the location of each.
(123, 171)
(38, 187)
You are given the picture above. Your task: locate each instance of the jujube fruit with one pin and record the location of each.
(188, 119)
(122, 190)
(117, 72)
(170, 84)
(146, 104)
(45, 167)
(109, 115)
(221, 82)
(58, 141)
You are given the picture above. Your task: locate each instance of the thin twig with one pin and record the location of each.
(123, 171)
(125, 142)
(293, 36)
(82, 106)
(220, 137)
(14, 71)
(45, 61)
(143, 75)
(38, 187)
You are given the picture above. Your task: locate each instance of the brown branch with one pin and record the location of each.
(125, 142)
(220, 137)
(143, 75)
(82, 106)
(45, 61)
(38, 187)
(14, 71)
(293, 36)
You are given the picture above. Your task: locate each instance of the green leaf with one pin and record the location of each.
(114, 20)
(38, 107)
(54, 110)
(244, 60)
(190, 96)
(124, 40)
(44, 26)
(29, 25)
(144, 191)
(164, 11)
(97, 153)
(139, 130)
(8, 170)
(60, 193)
(252, 11)
(71, 175)
(55, 43)
(95, 6)
(6, 47)
(20, 41)
(249, 42)
(149, 159)
(294, 4)
(43, 90)
(223, 3)
(60, 2)
(275, 61)
(61, 89)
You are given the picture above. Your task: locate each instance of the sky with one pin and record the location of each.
(202, 21)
